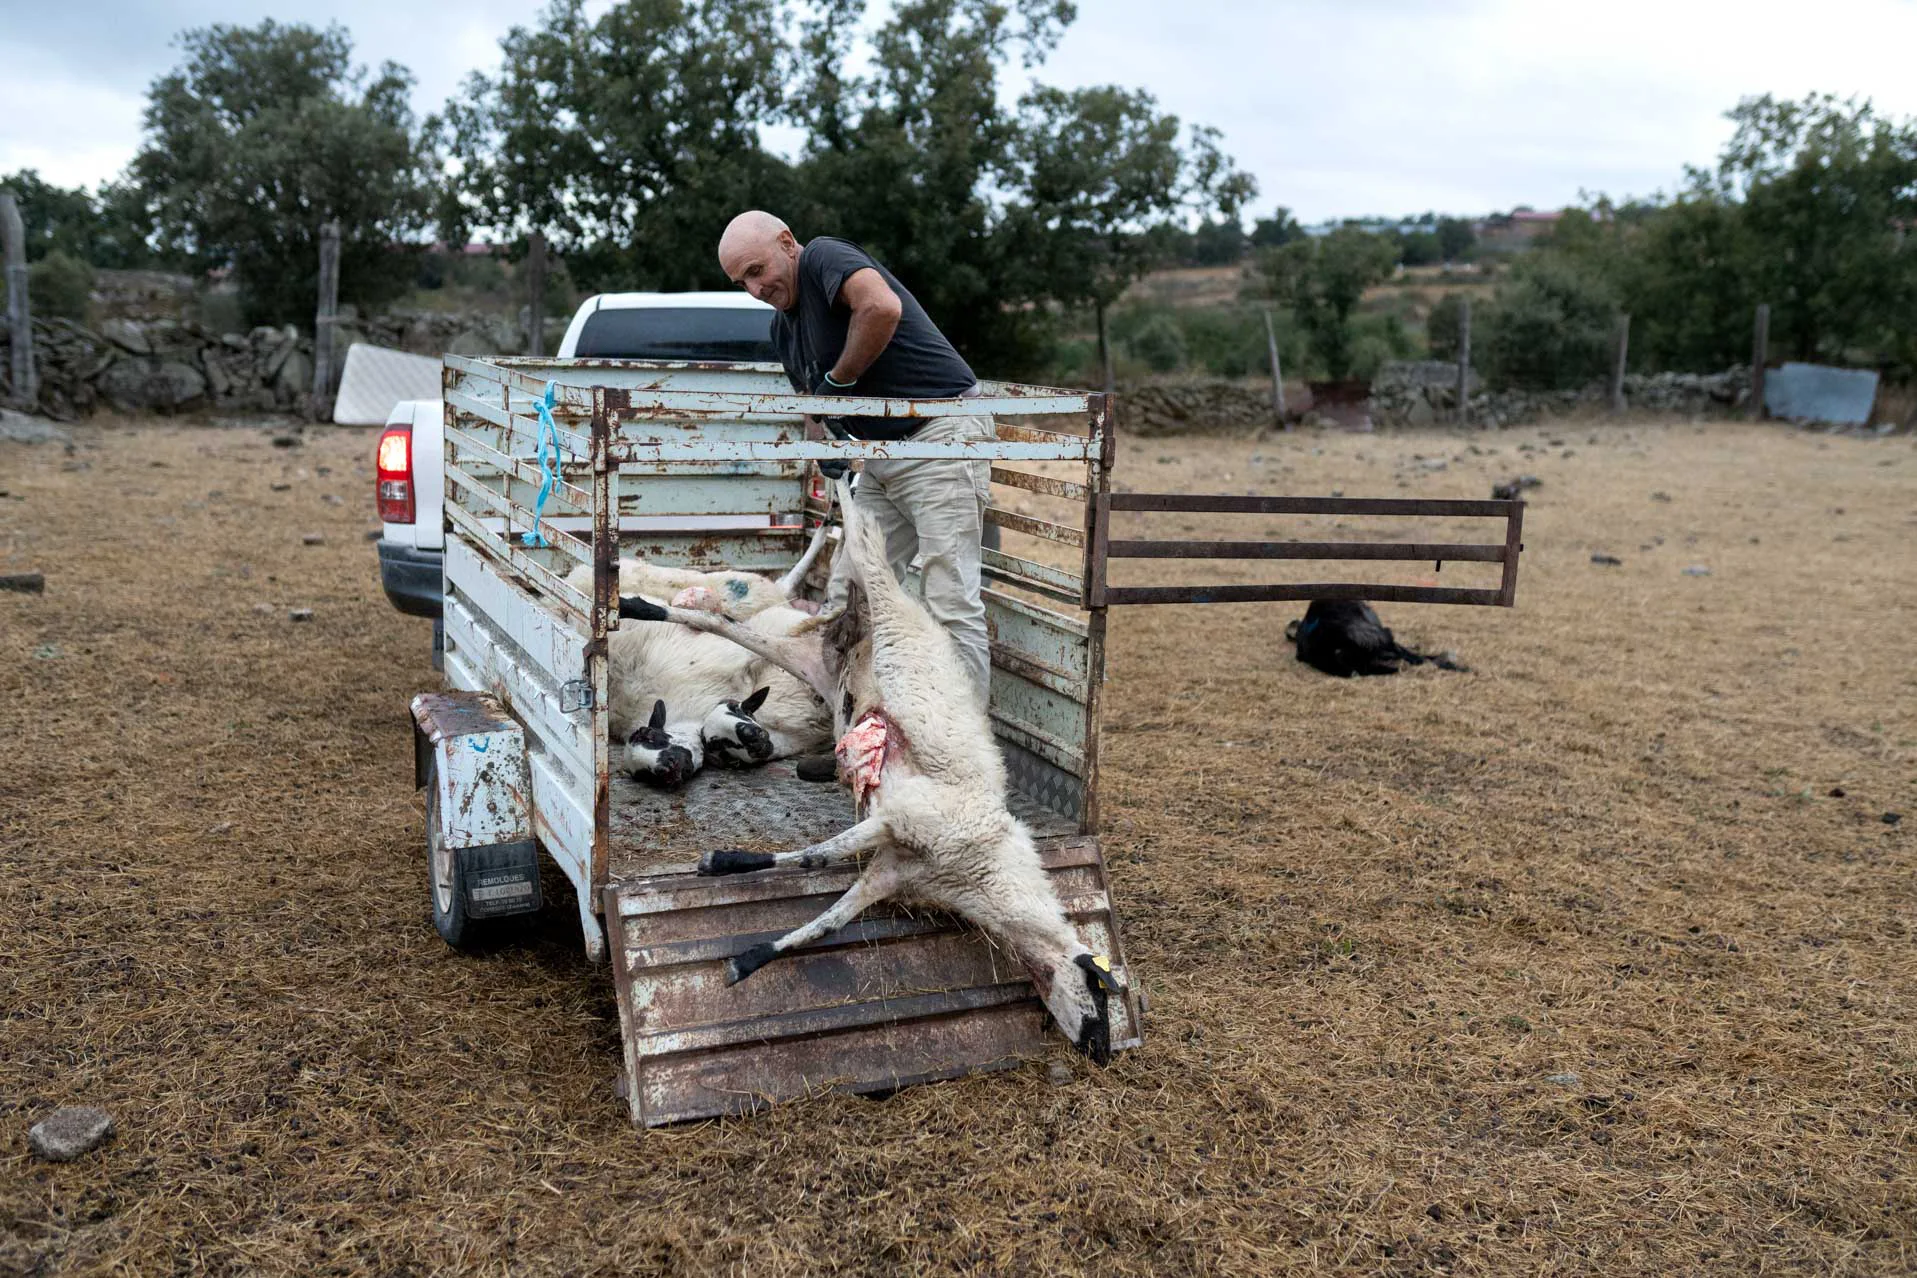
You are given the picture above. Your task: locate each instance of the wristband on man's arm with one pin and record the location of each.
(836, 384)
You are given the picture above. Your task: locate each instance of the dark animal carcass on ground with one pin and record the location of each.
(1344, 637)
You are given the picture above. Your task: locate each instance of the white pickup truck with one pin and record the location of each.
(733, 327)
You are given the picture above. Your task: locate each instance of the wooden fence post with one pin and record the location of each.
(536, 295)
(26, 393)
(1617, 365)
(1760, 351)
(1105, 351)
(1277, 373)
(324, 321)
(1464, 360)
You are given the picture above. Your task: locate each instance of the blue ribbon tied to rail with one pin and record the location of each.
(547, 458)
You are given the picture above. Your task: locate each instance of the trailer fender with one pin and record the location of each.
(470, 749)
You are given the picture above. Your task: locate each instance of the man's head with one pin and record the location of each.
(758, 252)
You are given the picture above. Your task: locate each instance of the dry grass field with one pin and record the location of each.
(1600, 959)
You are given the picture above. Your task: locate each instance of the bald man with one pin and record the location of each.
(846, 326)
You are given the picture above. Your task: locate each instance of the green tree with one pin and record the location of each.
(1322, 279)
(629, 140)
(1218, 243)
(1276, 231)
(1420, 248)
(1444, 327)
(106, 230)
(1828, 191)
(906, 159)
(262, 134)
(1095, 169)
(1551, 327)
(1456, 239)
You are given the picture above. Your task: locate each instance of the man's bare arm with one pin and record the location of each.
(875, 317)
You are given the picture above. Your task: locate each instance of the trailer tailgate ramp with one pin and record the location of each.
(901, 996)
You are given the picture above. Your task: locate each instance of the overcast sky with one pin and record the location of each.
(1338, 107)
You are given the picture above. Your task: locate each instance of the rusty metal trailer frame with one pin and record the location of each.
(1504, 552)
(686, 440)
(709, 465)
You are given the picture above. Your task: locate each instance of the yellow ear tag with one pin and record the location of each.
(1101, 962)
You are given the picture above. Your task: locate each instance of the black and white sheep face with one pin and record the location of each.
(653, 755)
(732, 737)
(1080, 995)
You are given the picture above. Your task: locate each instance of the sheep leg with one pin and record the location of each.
(791, 582)
(841, 847)
(802, 657)
(879, 881)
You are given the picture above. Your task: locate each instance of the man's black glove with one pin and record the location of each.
(834, 470)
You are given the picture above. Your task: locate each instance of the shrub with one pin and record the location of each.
(59, 286)
(1550, 328)
(1441, 329)
(1160, 343)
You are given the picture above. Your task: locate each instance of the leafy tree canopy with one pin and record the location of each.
(1322, 279)
(263, 133)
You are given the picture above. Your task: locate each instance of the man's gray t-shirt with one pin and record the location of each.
(918, 363)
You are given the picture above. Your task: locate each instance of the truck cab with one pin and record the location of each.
(730, 326)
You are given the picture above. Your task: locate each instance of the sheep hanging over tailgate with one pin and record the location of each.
(918, 749)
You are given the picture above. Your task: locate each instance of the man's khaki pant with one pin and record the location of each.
(935, 511)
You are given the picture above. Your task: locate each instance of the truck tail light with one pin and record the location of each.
(394, 462)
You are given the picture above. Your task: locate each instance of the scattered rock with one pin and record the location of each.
(1660, 496)
(221, 828)
(1892, 818)
(374, 534)
(68, 1133)
(19, 428)
(1562, 1080)
(24, 583)
(1058, 1073)
(280, 488)
(1697, 570)
(313, 539)
(1510, 488)
(300, 614)
(331, 499)
(287, 441)
(1609, 561)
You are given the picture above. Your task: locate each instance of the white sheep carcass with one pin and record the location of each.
(919, 750)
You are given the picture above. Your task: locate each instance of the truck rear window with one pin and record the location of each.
(666, 332)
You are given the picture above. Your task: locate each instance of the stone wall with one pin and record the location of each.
(167, 366)
(1409, 394)
(1202, 407)
(174, 365)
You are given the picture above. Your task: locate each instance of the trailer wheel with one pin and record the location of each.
(444, 878)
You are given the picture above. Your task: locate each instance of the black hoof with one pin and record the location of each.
(733, 861)
(743, 965)
(818, 767)
(638, 608)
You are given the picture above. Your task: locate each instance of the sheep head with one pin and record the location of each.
(732, 737)
(654, 754)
